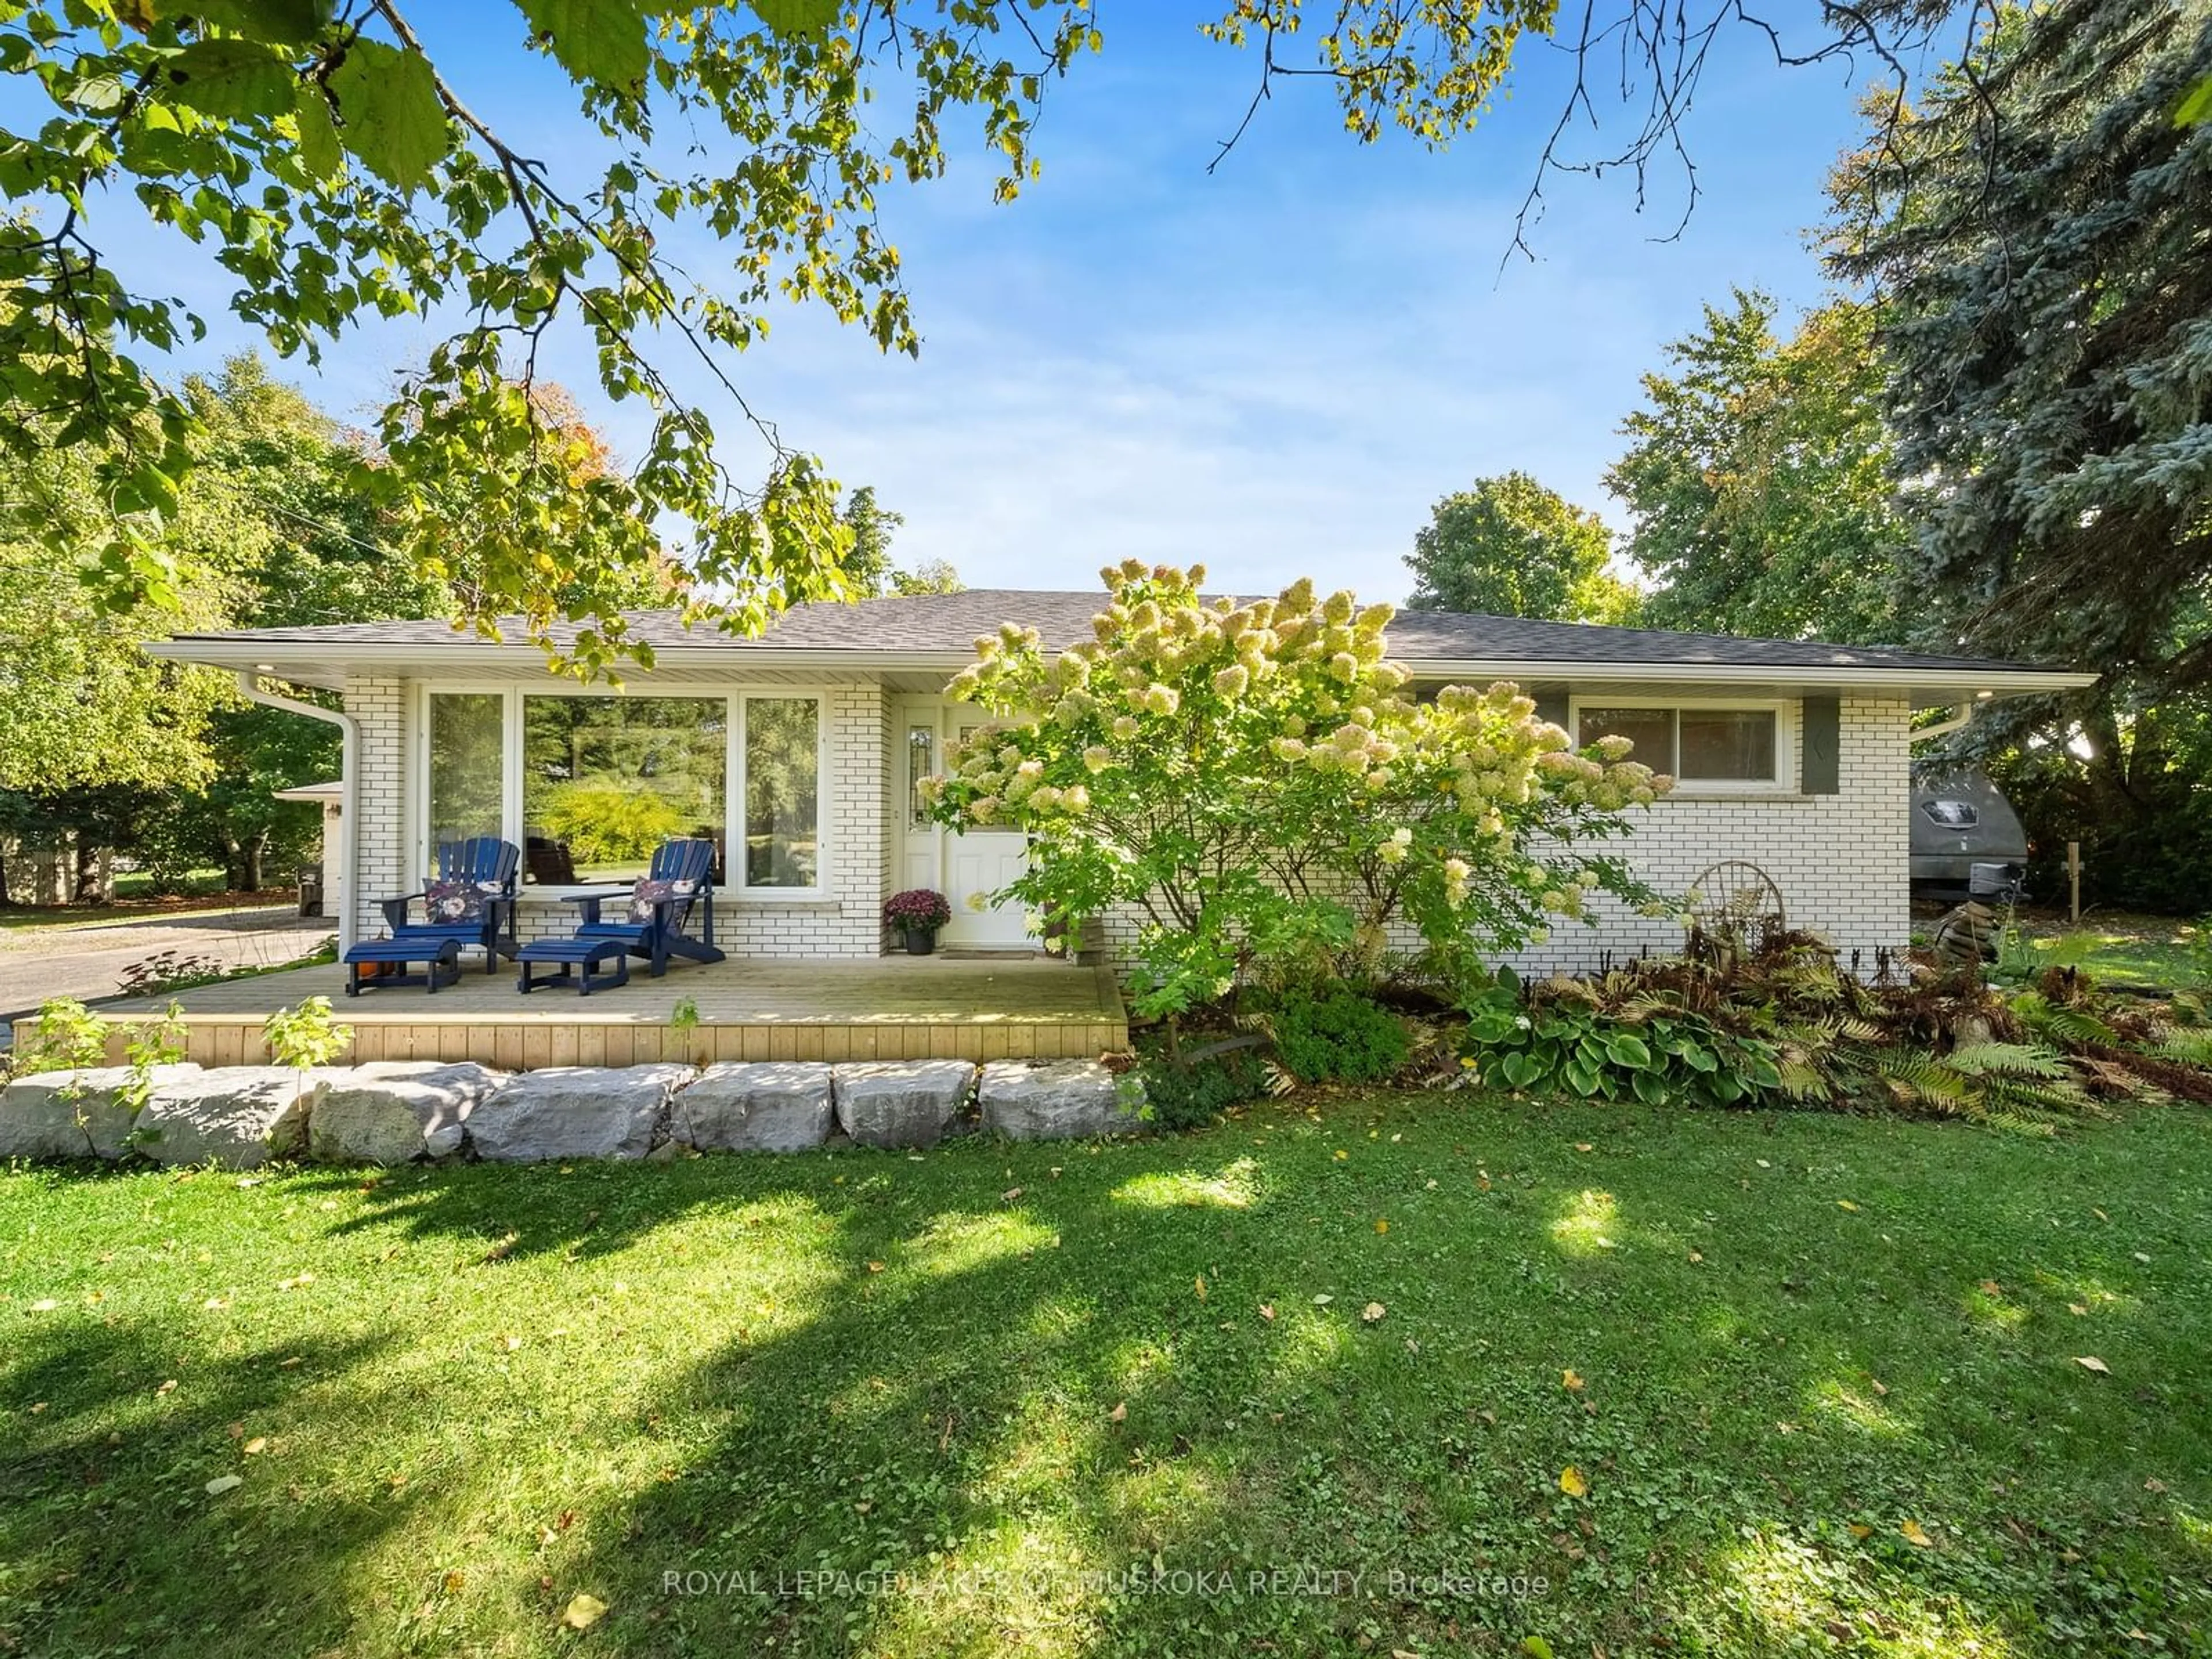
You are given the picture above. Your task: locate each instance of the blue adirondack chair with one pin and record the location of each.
(489, 866)
(653, 928)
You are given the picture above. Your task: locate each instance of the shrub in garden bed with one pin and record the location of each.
(1780, 1024)
(1261, 785)
(1340, 1036)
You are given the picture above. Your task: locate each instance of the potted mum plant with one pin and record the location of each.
(917, 913)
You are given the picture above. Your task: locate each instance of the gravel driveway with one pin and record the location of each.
(86, 962)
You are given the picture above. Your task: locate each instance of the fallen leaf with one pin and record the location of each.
(1199, 1284)
(1879, 1387)
(1860, 1529)
(2153, 1485)
(1266, 1310)
(236, 1431)
(875, 1266)
(864, 1506)
(1991, 1287)
(254, 1447)
(1697, 1256)
(1010, 1194)
(1119, 1413)
(216, 1303)
(223, 1483)
(1572, 1482)
(2080, 1310)
(453, 1581)
(1916, 1536)
(2141, 1257)
(1762, 1163)
(1341, 1156)
(1585, 1146)
(585, 1610)
(1571, 1381)
(287, 1365)
(2098, 1213)
(1372, 1312)
(511, 1343)
(167, 1387)
(1846, 1203)
(1323, 1300)
(1381, 1226)
(45, 1304)
(38, 1406)
(2089, 1361)
(501, 1248)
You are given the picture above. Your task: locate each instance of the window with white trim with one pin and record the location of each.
(589, 785)
(1725, 746)
(783, 792)
(606, 780)
(466, 732)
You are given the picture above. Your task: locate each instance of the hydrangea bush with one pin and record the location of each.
(1264, 786)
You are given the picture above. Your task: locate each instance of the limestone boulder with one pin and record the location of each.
(54, 1115)
(238, 1116)
(392, 1111)
(894, 1103)
(576, 1111)
(755, 1106)
(1057, 1100)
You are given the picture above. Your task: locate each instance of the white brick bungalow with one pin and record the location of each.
(800, 749)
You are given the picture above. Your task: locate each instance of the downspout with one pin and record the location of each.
(1962, 716)
(349, 788)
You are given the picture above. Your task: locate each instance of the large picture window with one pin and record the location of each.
(467, 732)
(606, 780)
(1735, 746)
(590, 786)
(782, 762)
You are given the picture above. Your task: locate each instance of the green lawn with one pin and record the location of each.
(2124, 949)
(1829, 1395)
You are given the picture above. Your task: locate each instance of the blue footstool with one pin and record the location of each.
(576, 957)
(440, 959)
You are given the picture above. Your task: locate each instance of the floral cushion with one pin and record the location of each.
(449, 902)
(647, 897)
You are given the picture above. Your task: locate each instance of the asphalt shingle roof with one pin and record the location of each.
(951, 623)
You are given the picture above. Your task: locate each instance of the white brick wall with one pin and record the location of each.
(856, 843)
(1840, 860)
(379, 705)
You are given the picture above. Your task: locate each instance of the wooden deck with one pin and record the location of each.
(895, 1008)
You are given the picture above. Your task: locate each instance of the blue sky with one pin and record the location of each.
(1274, 369)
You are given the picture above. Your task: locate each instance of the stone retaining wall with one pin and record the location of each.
(239, 1117)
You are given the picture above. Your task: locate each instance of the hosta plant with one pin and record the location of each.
(1657, 1054)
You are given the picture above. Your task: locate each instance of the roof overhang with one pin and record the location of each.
(327, 667)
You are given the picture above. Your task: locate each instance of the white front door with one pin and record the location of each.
(966, 868)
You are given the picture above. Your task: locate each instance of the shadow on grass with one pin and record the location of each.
(115, 1431)
(1132, 1399)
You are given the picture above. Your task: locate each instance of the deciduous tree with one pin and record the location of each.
(1510, 547)
(1756, 479)
(339, 173)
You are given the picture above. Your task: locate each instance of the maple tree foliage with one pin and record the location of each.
(337, 170)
